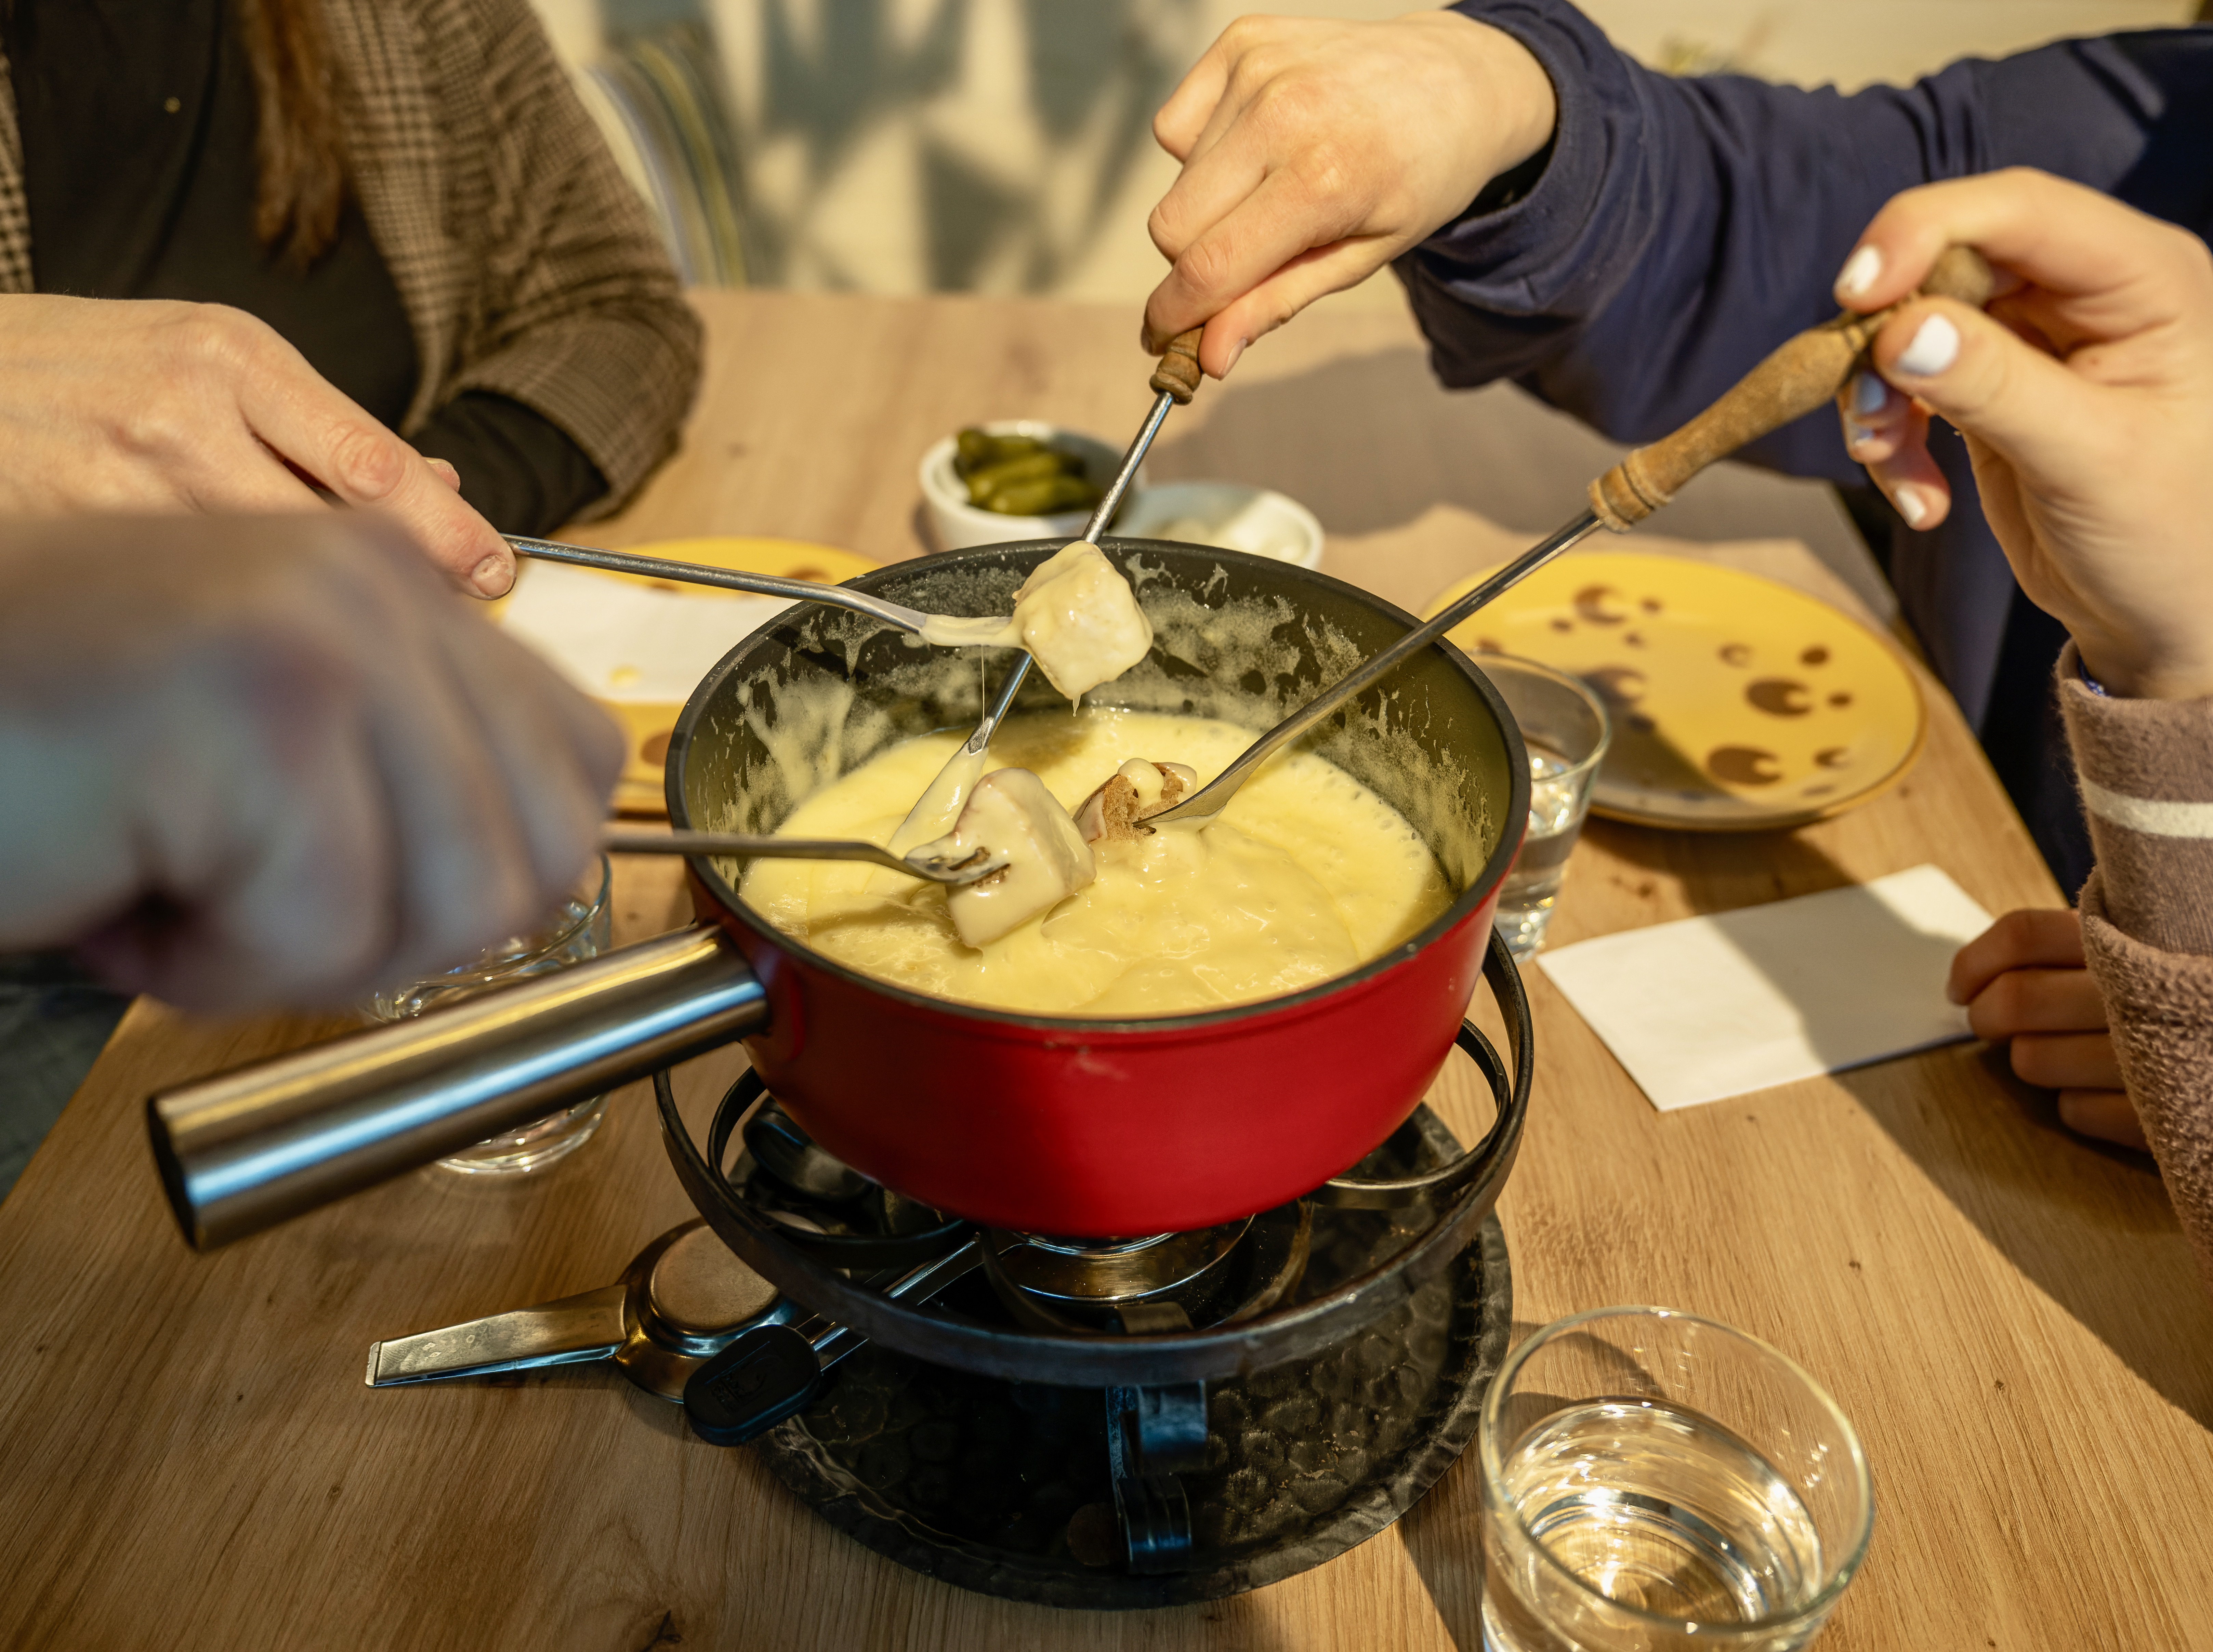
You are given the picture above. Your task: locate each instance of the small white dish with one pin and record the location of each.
(958, 524)
(1228, 514)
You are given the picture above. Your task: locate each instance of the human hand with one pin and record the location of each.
(110, 405)
(2023, 980)
(2086, 397)
(264, 760)
(1314, 152)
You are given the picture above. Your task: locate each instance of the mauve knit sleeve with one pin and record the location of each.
(2146, 771)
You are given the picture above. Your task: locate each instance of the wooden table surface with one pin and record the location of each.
(188, 1457)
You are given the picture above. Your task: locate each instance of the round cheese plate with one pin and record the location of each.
(1739, 703)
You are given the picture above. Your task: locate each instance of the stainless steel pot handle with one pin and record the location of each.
(246, 1149)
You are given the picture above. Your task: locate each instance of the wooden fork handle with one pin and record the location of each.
(1178, 375)
(1804, 374)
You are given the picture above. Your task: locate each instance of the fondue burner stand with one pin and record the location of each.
(1121, 1423)
(1112, 1424)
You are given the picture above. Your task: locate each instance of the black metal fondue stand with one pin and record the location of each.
(1085, 1423)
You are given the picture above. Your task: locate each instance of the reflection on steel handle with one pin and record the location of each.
(245, 1150)
(575, 1331)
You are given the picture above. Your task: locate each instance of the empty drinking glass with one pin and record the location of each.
(1656, 1481)
(579, 929)
(1563, 724)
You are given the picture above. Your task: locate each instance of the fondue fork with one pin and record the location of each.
(943, 797)
(946, 630)
(1804, 374)
(933, 868)
(1176, 381)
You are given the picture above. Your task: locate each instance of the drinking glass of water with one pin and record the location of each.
(1564, 725)
(1656, 1481)
(580, 927)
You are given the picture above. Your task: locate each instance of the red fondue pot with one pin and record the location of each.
(1060, 1124)
(1048, 1124)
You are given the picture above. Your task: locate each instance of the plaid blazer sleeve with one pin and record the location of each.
(526, 261)
(14, 206)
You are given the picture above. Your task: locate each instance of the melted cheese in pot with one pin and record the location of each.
(1306, 875)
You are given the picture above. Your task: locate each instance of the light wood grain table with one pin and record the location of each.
(188, 1457)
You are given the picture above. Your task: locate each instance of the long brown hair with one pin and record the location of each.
(299, 146)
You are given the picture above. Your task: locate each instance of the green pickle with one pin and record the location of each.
(1044, 497)
(1022, 476)
(987, 479)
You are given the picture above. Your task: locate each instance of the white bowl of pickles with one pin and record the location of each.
(1015, 478)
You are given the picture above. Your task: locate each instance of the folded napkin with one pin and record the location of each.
(1708, 1008)
(619, 640)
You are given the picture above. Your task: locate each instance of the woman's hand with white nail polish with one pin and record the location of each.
(2085, 396)
(149, 404)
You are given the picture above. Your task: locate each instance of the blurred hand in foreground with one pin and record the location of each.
(1314, 152)
(2086, 397)
(149, 404)
(2023, 979)
(274, 760)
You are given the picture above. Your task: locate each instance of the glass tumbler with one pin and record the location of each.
(1565, 726)
(1656, 1481)
(580, 928)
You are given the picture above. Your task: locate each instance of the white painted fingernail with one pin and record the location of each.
(1936, 347)
(1911, 505)
(493, 575)
(1859, 272)
(1869, 395)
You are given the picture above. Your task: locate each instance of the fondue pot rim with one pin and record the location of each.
(733, 905)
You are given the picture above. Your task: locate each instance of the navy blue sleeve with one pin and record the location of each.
(1681, 229)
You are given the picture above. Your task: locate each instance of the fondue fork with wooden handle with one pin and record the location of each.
(1175, 382)
(1800, 377)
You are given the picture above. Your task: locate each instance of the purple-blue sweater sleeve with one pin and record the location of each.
(1682, 227)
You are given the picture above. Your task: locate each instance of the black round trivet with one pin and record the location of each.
(1001, 1487)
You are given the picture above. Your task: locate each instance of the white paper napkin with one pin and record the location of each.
(625, 641)
(1708, 1008)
